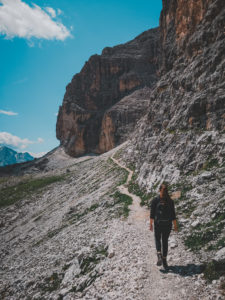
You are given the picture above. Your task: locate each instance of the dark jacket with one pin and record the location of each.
(155, 204)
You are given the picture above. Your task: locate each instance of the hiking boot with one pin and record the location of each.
(165, 265)
(159, 262)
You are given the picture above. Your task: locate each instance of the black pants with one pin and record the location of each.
(162, 231)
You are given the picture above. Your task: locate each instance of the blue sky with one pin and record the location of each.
(43, 44)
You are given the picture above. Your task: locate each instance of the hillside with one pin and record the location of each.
(75, 223)
(71, 233)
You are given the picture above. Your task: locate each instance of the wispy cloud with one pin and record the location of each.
(9, 113)
(8, 139)
(51, 11)
(18, 19)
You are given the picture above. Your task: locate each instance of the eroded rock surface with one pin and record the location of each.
(103, 81)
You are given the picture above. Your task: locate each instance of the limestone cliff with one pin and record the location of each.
(103, 81)
(182, 137)
(189, 98)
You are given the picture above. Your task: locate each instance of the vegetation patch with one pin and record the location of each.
(134, 188)
(87, 265)
(213, 270)
(182, 186)
(74, 217)
(54, 232)
(118, 154)
(12, 194)
(82, 286)
(205, 233)
(123, 199)
(218, 245)
(210, 163)
(117, 168)
(51, 283)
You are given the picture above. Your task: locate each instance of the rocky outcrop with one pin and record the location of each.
(120, 120)
(178, 21)
(103, 81)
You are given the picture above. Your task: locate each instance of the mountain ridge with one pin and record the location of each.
(9, 156)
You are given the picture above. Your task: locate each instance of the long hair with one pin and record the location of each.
(166, 197)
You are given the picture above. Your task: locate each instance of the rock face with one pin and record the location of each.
(182, 137)
(103, 81)
(9, 156)
(119, 121)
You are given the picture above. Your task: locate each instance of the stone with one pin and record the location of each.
(220, 255)
(195, 223)
(73, 270)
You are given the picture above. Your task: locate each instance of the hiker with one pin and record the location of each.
(163, 214)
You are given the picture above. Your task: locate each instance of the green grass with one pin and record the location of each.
(210, 163)
(12, 194)
(87, 266)
(117, 168)
(51, 283)
(120, 198)
(218, 245)
(206, 233)
(131, 166)
(74, 217)
(134, 188)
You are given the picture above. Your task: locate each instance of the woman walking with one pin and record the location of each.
(163, 214)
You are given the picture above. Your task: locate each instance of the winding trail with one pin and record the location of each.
(137, 213)
(182, 281)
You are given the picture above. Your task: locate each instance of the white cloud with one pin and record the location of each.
(19, 19)
(59, 12)
(51, 11)
(9, 113)
(39, 154)
(40, 140)
(7, 138)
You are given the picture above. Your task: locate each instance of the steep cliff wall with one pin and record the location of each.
(190, 97)
(178, 21)
(182, 137)
(104, 80)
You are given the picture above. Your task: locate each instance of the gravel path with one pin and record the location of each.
(182, 281)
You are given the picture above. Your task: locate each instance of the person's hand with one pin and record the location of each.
(151, 227)
(176, 228)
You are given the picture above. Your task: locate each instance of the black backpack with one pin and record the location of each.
(163, 214)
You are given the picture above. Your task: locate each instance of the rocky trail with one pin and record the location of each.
(70, 239)
(183, 280)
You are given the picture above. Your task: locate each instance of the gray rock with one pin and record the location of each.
(220, 255)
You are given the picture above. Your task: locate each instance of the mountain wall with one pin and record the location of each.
(181, 139)
(84, 123)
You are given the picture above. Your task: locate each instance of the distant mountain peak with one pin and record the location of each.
(9, 156)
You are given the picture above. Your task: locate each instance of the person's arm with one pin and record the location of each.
(151, 222)
(175, 225)
(152, 213)
(174, 219)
